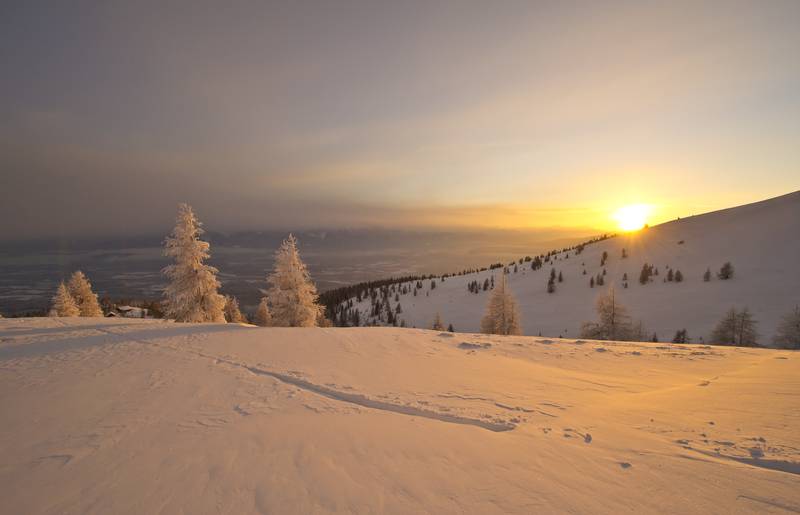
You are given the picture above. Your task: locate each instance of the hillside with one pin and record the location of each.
(124, 416)
(760, 240)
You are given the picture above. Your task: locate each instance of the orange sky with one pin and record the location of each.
(320, 114)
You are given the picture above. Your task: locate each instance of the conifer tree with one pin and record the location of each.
(707, 275)
(292, 296)
(644, 275)
(81, 291)
(726, 272)
(191, 295)
(450, 328)
(263, 317)
(232, 312)
(502, 314)
(678, 276)
(681, 336)
(63, 303)
(788, 334)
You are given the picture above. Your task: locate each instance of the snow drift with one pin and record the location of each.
(145, 416)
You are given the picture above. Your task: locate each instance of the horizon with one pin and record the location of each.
(555, 231)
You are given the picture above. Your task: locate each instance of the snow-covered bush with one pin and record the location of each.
(263, 316)
(232, 312)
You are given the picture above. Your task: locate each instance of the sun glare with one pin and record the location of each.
(633, 217)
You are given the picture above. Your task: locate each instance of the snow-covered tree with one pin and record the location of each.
(736, 328)
(81, 290)
(63, 303)
(232, 312)
(292, 296)
(614, 322)
(502, 314)
(788, 334)
(263, 316)
(191, 295)
(437, 325)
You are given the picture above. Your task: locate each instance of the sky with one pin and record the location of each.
(332, 114)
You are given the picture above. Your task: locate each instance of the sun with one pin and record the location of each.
(633, 217)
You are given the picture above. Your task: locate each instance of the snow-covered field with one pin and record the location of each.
(761, 240)
(134, 416)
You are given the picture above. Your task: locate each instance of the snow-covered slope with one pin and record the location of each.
(133, 416)
(761, 240)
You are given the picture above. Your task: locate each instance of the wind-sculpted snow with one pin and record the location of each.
(135, 416)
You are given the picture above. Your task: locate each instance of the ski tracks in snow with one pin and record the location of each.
(495, 425)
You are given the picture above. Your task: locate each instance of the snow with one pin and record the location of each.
(148, 416)
(761, 240)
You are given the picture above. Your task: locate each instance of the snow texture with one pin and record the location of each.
(147, 416)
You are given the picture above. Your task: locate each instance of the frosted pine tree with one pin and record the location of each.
(191, 295)
(232, 312)
(263, 316)
(63, 303)
(502, 314)
(81, 290)
(292, 296)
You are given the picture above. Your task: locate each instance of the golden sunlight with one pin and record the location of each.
(633, 217)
